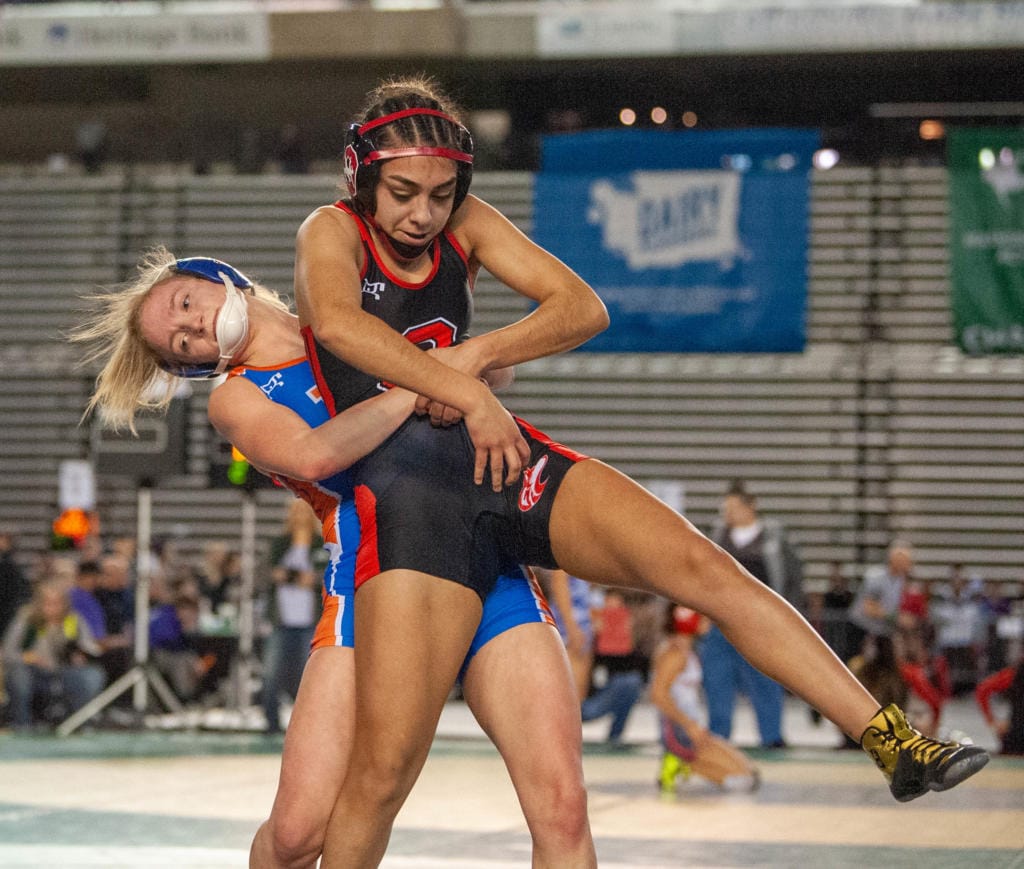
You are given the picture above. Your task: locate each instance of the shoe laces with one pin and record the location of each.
(925, 750)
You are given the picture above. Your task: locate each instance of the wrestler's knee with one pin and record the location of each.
(296, 840)
(561, 823)
(383, 779)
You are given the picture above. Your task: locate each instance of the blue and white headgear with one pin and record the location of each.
(232, 321)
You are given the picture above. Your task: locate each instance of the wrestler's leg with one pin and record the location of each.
(521, 691)
(610, 530)
(313, 762)
(412, 633)
(581, 662)
(724, 764)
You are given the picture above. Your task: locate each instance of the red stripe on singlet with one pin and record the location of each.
(318, 375)
(367, 557)
(554, 446)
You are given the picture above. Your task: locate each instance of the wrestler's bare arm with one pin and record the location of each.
(568, 312)
(275, 439)
(328, 291)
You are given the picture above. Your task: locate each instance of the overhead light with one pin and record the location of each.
(825, 158)
(627, 117)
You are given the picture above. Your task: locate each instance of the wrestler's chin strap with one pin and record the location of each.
(400, 249)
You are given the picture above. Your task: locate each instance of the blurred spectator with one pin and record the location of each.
(1008, 682)
(293, 608)
(290, 153)
(115, 652)
(875, 609)
(46, 653)
(914, 604)
(926, 677)
(250, 159)
(172, 631)
(569, 598)
(91, 145)
(617, 647)
(687, 745)
(57, 566)
(15, 588)
(878, 670)
(995, 605)
(835, 603)
(761, 546)
(115, 594)
(959, 634)
(613, 626)
(572, 605)
(220, 575)
(90, 548)
(84, 600)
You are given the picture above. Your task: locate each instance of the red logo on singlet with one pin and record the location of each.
(533, 486)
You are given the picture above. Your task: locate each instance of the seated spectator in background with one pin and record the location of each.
(47, 653)
(878, 670)
(875, 609)
(571, 600)
(959, 634)
(220, 575)
(1010, 728)
(115, 655)
(115, 594)
(15, 588)
(84, 600)
(290, 152)
(834, 605)
(172, 631)
(687, 745)
(209, 572)
(995, 604)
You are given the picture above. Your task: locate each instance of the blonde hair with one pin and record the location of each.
(131, 378)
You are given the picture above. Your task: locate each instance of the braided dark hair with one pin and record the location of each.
(414, 114)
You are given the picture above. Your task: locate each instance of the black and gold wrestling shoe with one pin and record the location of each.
(913, 763)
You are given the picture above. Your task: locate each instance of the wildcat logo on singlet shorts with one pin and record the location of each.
(533, 486)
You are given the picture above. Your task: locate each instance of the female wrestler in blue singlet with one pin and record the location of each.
(379, 272)
(190, 318)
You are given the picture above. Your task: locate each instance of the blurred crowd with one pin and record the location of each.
(922, 643)
(913, 642)
(68, 622)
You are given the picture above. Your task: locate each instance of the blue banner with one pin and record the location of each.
(696, 241)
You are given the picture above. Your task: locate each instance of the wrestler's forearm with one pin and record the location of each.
(557, 325)
(359, 430)
(369, 344)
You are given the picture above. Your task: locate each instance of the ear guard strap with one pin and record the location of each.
(232, 322)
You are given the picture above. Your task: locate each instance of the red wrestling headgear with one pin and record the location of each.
(363, 156)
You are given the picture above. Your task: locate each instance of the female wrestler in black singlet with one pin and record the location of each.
(408, 165)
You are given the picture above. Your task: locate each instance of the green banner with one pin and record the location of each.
(986, 204)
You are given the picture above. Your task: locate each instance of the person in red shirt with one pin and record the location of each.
(1009, 682)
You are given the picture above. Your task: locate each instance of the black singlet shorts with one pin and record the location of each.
(419, 508)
